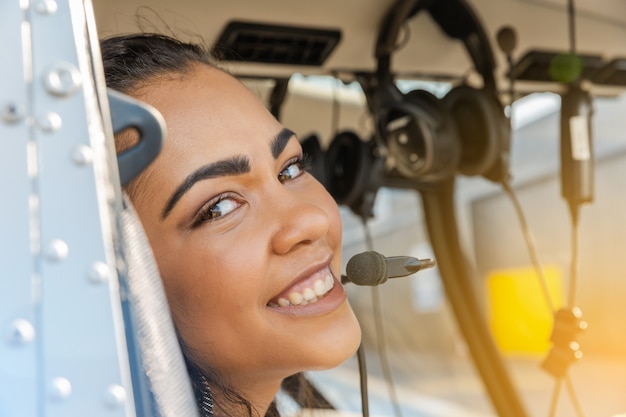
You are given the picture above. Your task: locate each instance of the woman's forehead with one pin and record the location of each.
(201, 86)
(209, 108)
(210, 116)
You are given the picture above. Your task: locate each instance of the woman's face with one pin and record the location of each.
(243, 236)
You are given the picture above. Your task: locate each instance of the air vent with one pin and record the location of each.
(275, 44)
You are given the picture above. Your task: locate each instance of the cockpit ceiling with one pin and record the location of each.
(426, 52)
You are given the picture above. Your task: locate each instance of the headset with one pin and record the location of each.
(417, 135)
(354, 170)
(427, 138)
(312, 148)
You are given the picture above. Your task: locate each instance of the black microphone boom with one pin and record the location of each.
(372, 268)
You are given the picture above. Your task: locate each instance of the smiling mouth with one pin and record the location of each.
(306, 295)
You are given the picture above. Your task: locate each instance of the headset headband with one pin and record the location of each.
(454, 17)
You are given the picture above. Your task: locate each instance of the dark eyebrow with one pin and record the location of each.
(238, 164)
(280, 142)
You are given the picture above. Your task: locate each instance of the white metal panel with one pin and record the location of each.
(63, 351)
(18, 353)
(81, 312)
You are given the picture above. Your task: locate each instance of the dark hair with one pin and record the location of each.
(130, 61)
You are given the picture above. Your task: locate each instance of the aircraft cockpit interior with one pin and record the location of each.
(475, 151)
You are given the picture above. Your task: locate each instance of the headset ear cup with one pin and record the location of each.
(478, 117)
(312, 149)
(426, 99)
(348, 167)
(425, 146)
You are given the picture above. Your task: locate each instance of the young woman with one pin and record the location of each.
(247, 242)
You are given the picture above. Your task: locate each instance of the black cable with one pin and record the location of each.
(534, 257)
(360, 354)
(555, 398)
(574, 214)
(530, 244)
(544, 285)
(512, 75)
(458, 279)
(571, 298)
(573, 283)
(573, 396)
(572, 26)
(380, 333)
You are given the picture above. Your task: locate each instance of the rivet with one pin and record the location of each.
(99, 272)
(63, 79)
(60, 389)
(20, 332)
(115, 396)
(403, 138)
(47, 7)
(57, 250)
(11, 113)
(82, 155)
(49, 122)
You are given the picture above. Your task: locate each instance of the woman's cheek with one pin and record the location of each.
(335, 219)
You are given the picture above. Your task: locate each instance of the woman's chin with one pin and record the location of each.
(342, 347)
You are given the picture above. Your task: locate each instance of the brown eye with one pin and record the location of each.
(293, 170)
(224, 206)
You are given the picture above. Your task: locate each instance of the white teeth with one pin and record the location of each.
(319, 287)
(330, 282)
(296, 298)
(308, 295)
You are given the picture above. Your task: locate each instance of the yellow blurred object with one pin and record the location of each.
(519, 314)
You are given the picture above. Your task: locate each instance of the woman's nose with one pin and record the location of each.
(301, 221)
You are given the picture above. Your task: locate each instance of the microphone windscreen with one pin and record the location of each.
(507, 39)
(367, 268)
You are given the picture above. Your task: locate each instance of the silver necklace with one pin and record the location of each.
(206, 399)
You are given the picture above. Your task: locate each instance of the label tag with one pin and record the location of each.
(579, 136)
